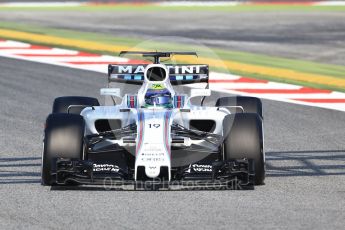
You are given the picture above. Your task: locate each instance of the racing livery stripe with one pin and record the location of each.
(131, 101)
(179, 101)
(220, 82)
(141, 131)
(167, 132)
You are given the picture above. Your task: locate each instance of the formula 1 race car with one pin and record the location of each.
(155, 137)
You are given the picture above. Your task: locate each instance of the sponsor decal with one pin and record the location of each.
(152, 157)
(129, 69)
(139, 69)
(105, 168)
(201, 168)
(184, 69)
(157, 86)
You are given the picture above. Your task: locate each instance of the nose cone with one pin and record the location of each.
(152, 171)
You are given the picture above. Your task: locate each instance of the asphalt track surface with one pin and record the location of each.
(304, 189)
(314, 36)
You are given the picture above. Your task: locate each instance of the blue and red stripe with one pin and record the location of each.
(166, 132)
(141, 132)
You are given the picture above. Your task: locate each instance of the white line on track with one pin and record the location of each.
(329, 3)
(168, 3)
(201, 3)
(41, 4)
(55, 51)
(13, 44)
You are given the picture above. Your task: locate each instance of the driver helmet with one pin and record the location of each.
(158, 96)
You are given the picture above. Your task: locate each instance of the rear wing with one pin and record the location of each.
(178, 74)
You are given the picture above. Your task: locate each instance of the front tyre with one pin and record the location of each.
(249, 104)
(62, 104)
(243, 133)
(63, 138)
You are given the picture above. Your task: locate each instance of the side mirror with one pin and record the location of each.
(111, 92)
(200, 93)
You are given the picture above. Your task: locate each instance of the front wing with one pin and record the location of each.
(233, 174)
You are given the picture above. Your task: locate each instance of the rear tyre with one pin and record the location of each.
(249, 104)
(63, 138)
(243, 134)
(61, 104)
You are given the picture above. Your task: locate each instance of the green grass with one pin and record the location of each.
(148, 7)
(242, 57)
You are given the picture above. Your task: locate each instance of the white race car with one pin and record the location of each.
(155, 137)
